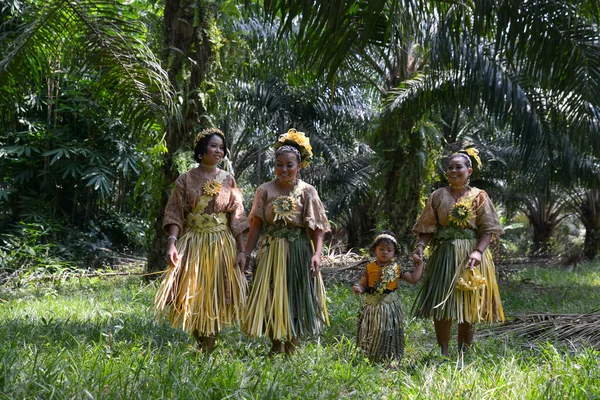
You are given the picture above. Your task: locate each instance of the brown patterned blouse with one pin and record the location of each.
(189, 187)
(485, 219)
(309, 211)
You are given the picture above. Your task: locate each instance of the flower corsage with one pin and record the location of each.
(389, 274)
(461, 213)
(283, 208)
(212, 187)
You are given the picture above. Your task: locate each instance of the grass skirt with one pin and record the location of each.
(285, 300)
(440, 300)
(380, 329)
(206, 290)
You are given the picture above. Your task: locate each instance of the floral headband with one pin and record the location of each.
(300, 142)
(472, 154)
(208, 131)
(385, 236)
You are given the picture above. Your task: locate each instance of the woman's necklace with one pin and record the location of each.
(290, 182)
(458, 191)
(208, 168)
(466, 185)
(286, 185)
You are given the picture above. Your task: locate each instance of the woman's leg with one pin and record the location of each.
(465, 336)
(276, 347)
(206, 343)
(442, 334)
(290, 346)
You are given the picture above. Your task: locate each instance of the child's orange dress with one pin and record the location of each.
(380, 328)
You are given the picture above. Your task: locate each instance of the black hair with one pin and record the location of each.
(289, 149)
(202, 144)
(464, 156)
(378, 240)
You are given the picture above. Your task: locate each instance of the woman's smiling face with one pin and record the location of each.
(215, 151)
(458, 171)
(287, 166)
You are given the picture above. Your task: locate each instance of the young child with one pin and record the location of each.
(380, 332)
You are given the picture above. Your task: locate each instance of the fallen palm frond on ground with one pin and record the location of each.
(570, 328)
(345, 267)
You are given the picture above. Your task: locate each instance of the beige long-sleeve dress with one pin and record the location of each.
(454, 240)
(285, 300)
(205, 290)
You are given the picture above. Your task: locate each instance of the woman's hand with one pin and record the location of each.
(315, 264)
(358, 289)
(474, 259)
(417, 258)
(172, 255)
(240, 261)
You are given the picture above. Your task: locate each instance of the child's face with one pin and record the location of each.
(384, 252)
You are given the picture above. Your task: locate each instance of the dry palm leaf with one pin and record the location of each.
(549, 326)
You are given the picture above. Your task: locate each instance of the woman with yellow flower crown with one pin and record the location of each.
(287, 299)
(460, 280)
(204, 288)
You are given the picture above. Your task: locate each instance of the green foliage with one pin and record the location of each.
(29, 249)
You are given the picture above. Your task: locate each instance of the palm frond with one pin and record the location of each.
(542, 327)
(93, 38)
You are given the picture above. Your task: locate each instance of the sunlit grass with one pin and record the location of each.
(93, 338)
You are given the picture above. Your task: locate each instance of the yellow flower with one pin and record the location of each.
(460, 214)
(470, 280)
(301, 140)
(474, 153)
(212, 187)
(283, 208)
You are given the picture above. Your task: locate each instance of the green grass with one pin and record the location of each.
(93, 338)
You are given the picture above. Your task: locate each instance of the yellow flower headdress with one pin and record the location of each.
(209, 131)
(299, 141)
(473, 154)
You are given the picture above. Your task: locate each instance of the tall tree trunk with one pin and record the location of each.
(591, 246)
(542, 233)
(402, 174)
(590, 216)
(187, 53)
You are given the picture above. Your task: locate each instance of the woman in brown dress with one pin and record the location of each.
(460, 280)
(287, 299)
(204, 288)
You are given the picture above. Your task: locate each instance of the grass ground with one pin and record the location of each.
(96, 338)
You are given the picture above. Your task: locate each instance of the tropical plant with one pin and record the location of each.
(272, 94)
(585, 203)
(521, 64)
(83, 98)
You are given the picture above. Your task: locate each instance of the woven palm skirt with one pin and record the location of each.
(440, 300)
(285, 301)
(205, 291)
(380, 327)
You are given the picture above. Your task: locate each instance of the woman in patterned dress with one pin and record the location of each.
(459, 221)
(287, 299)
(204, 288)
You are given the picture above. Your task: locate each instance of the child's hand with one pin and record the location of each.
(418, 260)
(358, 289)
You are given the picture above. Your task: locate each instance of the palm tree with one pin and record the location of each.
(272, 94)
(531, 67)
(79, 91)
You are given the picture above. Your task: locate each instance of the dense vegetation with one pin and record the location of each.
(101, 100)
